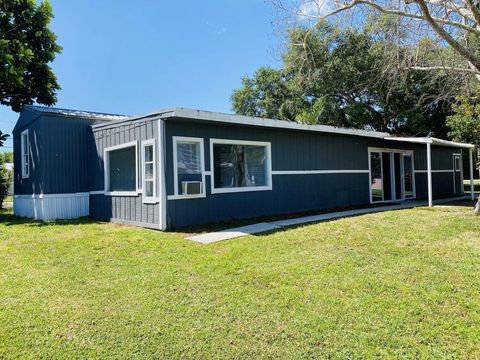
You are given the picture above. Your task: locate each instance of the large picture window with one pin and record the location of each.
(121, 169)
(240, 165)
(188, 166)
(25, 156)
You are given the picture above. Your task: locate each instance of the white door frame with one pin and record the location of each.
(455, 171)
(392, 173)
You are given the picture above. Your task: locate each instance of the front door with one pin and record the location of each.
(457, 174)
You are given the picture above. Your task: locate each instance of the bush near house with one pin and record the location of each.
(401, 284)
(476, 186)
(6, 178)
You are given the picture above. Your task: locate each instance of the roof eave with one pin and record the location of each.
(431, 140)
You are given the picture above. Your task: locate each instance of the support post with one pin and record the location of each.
(429, 174)
(472, 194)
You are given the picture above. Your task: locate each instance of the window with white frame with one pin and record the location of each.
(121, 169)
(148, 170)
(457, 162)
(188, 166)
(25, 145)
(240, 165)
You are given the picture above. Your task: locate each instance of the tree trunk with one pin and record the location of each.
(476, 211)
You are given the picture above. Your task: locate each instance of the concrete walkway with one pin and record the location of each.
(262, 227)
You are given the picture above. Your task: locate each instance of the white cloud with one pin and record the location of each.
(314, 8)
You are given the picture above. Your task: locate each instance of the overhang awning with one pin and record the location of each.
(430, 140)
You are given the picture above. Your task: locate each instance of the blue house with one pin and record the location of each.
(182, 167)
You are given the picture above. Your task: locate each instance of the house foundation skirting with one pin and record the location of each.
(49, 207)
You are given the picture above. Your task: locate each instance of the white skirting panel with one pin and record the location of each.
(50, 207)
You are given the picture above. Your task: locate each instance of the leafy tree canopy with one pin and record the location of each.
(6, 157)
(3, 137)
(27, 46)
(344, 78)
(464, 124)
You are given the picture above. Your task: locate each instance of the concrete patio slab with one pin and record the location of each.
(233, 233)
(262, 227)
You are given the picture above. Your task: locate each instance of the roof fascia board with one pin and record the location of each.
(149, 116)
(431, 140)
(441, 142)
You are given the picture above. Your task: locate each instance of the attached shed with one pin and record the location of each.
(182, 167)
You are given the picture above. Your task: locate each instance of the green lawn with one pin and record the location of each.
(401, 284)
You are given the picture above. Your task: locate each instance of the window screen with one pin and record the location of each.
(25, 156)
(189, 166)
(122, 169)
(148, 171)
(237, 166)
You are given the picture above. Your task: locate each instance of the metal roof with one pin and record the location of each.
(202, 115)
(76, 113)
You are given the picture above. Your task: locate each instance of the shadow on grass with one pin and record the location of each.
(463, 203)
(7, 218)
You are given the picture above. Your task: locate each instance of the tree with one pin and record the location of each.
(3, 137)
(343, 81)
(6, 177)
(465, 125)
(27, 46)
(6, 156)
(453, 23)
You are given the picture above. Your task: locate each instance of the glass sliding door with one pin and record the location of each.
(397, 168)
(387, 176)
(408, 176)
(391, 175)
(376, 185)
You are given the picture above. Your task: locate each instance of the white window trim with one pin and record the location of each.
(391, 152)
(149, 199)
(370, 176)
(175, 140)
(106, 170)
(459, 156)
(25, 174)
(268, 146)
(414, 187)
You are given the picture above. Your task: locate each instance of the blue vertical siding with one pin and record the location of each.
(294, 150)
(130, 209)
(58, 154)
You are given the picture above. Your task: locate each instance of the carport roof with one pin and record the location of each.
(430, 140)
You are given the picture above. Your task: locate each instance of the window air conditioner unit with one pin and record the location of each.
(191, 187)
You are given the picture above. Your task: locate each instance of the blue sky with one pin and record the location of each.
(132, 57)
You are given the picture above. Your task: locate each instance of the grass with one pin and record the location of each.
(402, 284)
(476, 186)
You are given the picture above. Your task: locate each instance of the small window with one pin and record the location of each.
(25, 154)
(148, 174)
(189, 174)
(457, 163)
(240, 166)
(121, 169)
